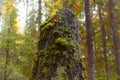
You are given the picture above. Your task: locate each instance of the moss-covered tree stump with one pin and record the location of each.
(59, 50)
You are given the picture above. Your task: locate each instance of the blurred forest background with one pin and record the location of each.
(98, 19)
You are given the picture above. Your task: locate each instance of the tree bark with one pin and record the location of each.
(58, 57)
(116, 39)
(90, 56)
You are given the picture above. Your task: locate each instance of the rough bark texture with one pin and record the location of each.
(90, 56)
(59, 51)
(116, 39)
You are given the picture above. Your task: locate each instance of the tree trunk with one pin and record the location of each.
(90, 56)
(39, 13)
(58, 57)
(116, 42)
(0, 7)
(65, 3)
(104, 40)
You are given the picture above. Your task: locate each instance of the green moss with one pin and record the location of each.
(52, 50)
(72, 45)
(56, 33)
(61, 73)
(66, 56)
(46, 70)
(62, 42)
(47, 26)
(43, 24)
(51, 47)
(57, 52)
(56, 20)
(42, 52)
(72, 48)
(70, 35)
(64, 29)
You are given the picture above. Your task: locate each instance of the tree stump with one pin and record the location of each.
(58, 56)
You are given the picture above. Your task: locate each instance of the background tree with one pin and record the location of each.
(90, 56)
(116, 42)
(104, 43)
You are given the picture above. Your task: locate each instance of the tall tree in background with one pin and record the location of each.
(116, 39)
(65, 3)
(104, 43)
(10, 37)
(90, 56)
(39, 12)
(1, 7)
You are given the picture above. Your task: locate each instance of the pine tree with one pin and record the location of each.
(116, 39)
(104, 42)
(90, 56)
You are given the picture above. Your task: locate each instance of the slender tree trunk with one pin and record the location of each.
(27, 6)
(90, 56)
(1, 7)
(116, 39)
(65, 3)
(39, 13)
(104, 40)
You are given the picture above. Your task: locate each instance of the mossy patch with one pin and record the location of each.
(63, 42)
(42, 52)
(56, 33)
(64, 29)
(47, 26)
(43, 24)
(57, 52)
(70, 36)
